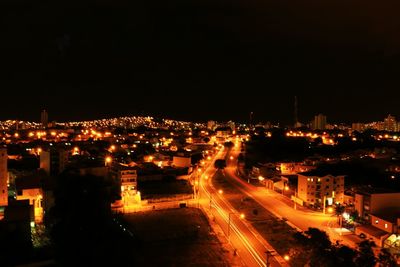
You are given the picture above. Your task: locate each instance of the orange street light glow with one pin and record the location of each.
(220, 191)
(286, 257)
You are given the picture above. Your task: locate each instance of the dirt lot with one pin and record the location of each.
(177, 237)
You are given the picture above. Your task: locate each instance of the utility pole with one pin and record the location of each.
(229, 226)
(324, 203)
(269, 254)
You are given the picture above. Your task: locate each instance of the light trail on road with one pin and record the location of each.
(249, 246)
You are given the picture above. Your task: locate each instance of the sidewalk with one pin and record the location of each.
(234, 260)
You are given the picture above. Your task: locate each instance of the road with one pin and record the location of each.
(248, 244)
(300, 218)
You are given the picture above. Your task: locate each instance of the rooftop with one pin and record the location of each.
(320, 173)
(390, 215)
(28, 182)
(372, 230)
(369, 190)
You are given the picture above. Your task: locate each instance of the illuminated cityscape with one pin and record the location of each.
(333, 178)
(200, 133)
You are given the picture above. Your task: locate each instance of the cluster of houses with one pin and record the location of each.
(377, 209)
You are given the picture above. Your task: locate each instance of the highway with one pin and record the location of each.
(300, 218)
(248, 244)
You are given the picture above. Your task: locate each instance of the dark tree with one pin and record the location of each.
(316, 244)
(344, 256)
(220, 164)
(229, 144)
(365, 257)
(82, 227)
(339, 209)
(385, 259)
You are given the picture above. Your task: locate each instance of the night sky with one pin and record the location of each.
(200, 59)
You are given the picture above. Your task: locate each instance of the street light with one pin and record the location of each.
(108, 160)
(286, 257)
(269, 254)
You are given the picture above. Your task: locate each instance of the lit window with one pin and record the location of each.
(386, 226)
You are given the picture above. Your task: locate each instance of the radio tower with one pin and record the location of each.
(296, 120)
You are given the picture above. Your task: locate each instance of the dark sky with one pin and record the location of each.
(200, 59)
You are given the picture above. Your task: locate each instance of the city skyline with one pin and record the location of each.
(286, 119)
(253, 133)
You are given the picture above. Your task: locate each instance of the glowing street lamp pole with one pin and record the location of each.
(269, 254)
(229, 226)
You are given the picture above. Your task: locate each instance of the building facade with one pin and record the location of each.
(126, 178)
(357, 126)
(319, 122)
(53, 161)
(44, 118)
(315, 190)
(373, 201)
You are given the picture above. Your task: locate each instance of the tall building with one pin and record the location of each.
(357, 126)
(126, 177)
(44, 118)
(231, 125)
(211, 125)
(53, 161)
(319, 122)
(369, 201)
(3, 177)
(314, 188)
(390, 123)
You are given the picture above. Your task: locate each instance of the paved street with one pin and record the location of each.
(300, 218)
(249, 245)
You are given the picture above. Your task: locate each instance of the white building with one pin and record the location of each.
(126, 177)
(314, 189)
